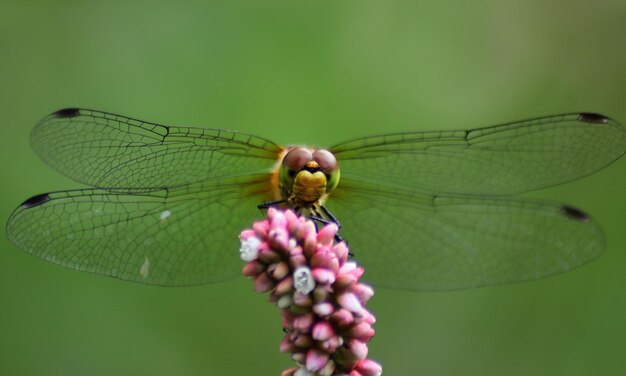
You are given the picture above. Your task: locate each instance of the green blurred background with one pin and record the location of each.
(314, 72)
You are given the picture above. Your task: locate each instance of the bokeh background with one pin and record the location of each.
(314, 72)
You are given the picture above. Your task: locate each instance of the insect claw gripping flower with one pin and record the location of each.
(317, 291)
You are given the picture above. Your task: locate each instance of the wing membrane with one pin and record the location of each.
(170, 237)
(415, 241)
(504, 159)
(112, 151)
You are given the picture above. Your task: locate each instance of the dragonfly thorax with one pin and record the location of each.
(306, 176)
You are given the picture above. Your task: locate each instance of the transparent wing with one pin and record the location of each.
(504, 159)
(415, 241)
(112, 151)
(170, 237)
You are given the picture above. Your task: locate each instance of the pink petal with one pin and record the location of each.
(285, 286)
(261, 229)
(342, 252)
(303, 341)
(302, 300)
(303, 323)
(327, 234)
(332, 344)
(286, 345)
(278, 270)
(267, 255)
(316, 360)
(328, 370)
(323, 309)
(292, 220)
(279, 238)
(342, 318)
(358, 348)
(246, 234)
(366, 316)
(368, 367)
(322, 331)
(362, 332)
(363, 292)
(277, 218)
(253, 268)
(324, 258)
(321, 293)
(345, 280)
(263, 283)
(299, 357)
(350, 302)
(323, 275)
(289, 372)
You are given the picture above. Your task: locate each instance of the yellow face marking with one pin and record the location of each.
(309, 187)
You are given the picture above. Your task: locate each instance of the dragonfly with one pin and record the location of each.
(422, 211)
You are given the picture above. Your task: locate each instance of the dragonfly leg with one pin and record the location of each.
(270, 204)
(329, 215)
(318, 219)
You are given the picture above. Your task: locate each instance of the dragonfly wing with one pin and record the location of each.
(106, 150)
(169, 237)
(499, 160)
(415, 241)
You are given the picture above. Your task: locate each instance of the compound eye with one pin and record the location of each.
(326, 160)
(296, 159)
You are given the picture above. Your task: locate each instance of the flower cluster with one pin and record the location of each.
(317, 291)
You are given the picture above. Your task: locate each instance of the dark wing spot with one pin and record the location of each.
(35, 201)
(575, 214)
(66, 113)
(590, 117)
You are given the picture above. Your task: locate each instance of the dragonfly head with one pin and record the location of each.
(308, 174)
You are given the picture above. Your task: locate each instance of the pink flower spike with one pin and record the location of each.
(317, 292)
(322, 331)
(324, 276)
(368, 367)
(327, 234)
(350, 302)
(316, 359)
